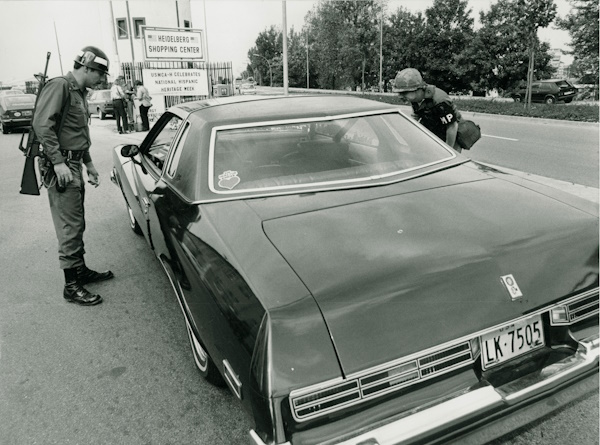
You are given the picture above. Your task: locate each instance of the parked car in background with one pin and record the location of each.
(16, 111)
(548, 91)
(354, 280)
(11, 92)
(237, 83)
(247, 88)
(100, 103)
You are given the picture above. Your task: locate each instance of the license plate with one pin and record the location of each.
(511, 341)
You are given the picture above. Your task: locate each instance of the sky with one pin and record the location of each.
(30, 28)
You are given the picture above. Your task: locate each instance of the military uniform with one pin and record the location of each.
(72, 148)
(436, 111)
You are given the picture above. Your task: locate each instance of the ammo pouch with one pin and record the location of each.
(468, 133)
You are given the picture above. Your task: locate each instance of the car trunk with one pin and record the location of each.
(401, 273)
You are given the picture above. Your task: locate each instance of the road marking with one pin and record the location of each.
(499, 137)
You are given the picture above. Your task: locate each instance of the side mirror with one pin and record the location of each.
(129, 151)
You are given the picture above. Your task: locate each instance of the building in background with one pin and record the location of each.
(128, 17)
(562, 71)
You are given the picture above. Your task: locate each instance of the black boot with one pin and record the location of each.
(85, 275)
(74, 292)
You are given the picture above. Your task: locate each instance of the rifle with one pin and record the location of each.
(29, 182)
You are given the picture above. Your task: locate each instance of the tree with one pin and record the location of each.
(345, 37)
(448, 30)
(532, 15)
(404, 36)
(498, 54)
(583, 27)
(269, 46)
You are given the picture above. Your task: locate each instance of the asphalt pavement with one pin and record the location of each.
(122, 372)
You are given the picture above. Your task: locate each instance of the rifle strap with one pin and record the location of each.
(64, 110)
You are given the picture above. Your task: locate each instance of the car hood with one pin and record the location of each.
(405, 272)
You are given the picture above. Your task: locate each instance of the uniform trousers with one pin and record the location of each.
(69, 218)
(120, 115)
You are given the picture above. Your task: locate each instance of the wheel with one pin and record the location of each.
(204, 363)
(132, 221)
(101, 114)
(517, 99)
(550, 100)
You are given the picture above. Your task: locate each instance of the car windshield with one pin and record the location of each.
(322, 152)
(20, 100)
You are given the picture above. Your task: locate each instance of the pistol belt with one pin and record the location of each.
(72, 155)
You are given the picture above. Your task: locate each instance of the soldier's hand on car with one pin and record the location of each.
(63, 174)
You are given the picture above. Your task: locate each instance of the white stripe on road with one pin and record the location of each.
(499, 137)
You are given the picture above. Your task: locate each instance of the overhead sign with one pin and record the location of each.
(176, 82)
(172, 44)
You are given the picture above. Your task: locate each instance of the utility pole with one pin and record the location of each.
(381, 49)
(129, 24)
(307, 76)
(285, 58)
(114, 37)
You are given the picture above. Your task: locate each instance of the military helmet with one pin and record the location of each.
(409, 79)
(93, 58)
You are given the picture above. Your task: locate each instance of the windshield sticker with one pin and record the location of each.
(229, 179)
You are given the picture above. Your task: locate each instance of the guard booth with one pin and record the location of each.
(222, 90)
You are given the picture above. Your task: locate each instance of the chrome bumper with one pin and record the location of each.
(425, 423)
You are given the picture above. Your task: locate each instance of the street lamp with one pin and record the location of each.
(270, 72)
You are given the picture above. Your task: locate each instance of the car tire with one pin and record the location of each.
(101, 114)
(550, 100)
(517, 98)
(132, 221)
(204, 363)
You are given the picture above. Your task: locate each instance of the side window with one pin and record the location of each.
(138, 22)
(122, 29)
(174, 161)
(156, 151)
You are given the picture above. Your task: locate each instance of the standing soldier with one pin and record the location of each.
(432, 106)
(118, 99)
(61, 125)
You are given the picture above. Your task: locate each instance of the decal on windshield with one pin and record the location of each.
(229, 179)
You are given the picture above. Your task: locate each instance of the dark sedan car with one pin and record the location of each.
(548, 91)
(16, 111)
(354, 280)
(100, 103)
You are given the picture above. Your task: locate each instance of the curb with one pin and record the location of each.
(589, 193)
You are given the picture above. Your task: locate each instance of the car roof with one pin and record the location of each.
(244, 109)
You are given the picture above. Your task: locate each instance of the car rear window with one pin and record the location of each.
(564, 84)
(326, 151)
(20, 100)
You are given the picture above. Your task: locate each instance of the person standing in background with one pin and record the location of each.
(129, 96)
(144, 98)
(118, 98)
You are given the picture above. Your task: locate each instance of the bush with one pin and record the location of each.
(570, 112)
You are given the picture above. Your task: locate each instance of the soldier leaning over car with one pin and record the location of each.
(66, 142)
(432, 106)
